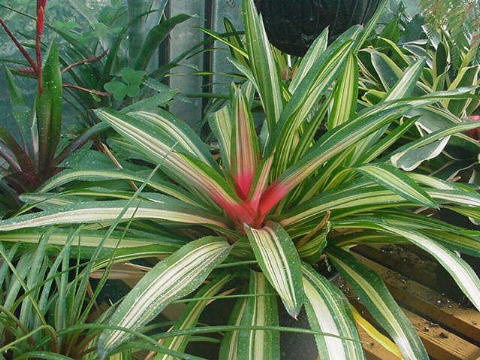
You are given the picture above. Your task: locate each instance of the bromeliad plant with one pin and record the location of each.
(36, 155)
(313, 179)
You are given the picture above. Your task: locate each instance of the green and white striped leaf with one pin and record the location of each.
(189, 318)
(279, 260)
(262, 63)
(375, 296)
(390, 177)
(179, 131)
(460, 271)
(260, 310)
(345, 94)
(94, 175)
(183, 167)
(406, 84)
(411, 155)
(86, 241)
(229, 346)
(169, 280)
(221, 125)
(106, 211)
(329, 312)
(314, 52)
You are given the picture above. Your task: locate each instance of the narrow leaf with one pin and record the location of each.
(380, 303)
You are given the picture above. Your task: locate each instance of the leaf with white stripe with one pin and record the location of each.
(190, 315)
(279, 260)
(345, 94)
(181, 166)
(411, 155)
(375, 296)
(262, 63)
(260, 310)
(394, 179)
(221, 125)
(229, 345)
(94, 175)
(179, 131)
(329, 312)
(314, 52)
(169, 280)
(105, 211)
(460, 271)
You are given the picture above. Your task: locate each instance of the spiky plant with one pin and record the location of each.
(308, 182)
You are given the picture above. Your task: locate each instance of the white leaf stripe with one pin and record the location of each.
(190, 316)
(314, 52)
(221, 126)
(329, 312)
(184, 166)
(395, 180)
(229, 345)
(346, 94)
(185, 136)
(280, 262)
(101, 211)
(174, 277)
(434, 136)
(67, 176)
(378, 300)
(262, 63)
(463, 274)
(259, 311)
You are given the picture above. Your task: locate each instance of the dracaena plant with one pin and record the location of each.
(309, 181)
(382, 65)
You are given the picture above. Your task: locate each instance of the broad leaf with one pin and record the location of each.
(278, 258)
(395, 180)
(105, 211)
(169, 280)
(329, 312)
(189, 318)
(260, 310)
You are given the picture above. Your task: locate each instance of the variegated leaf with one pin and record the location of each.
(262, 63)
(106, 211)
(279, 260)
(189, 318)
(169, 280)
(375, 296)
(260, 310)
(329, 312)
(395, 180)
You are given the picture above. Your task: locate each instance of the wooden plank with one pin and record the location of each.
(428, 302)
(402, 261)
(440, 343)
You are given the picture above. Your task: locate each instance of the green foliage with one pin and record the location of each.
(313, 174)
